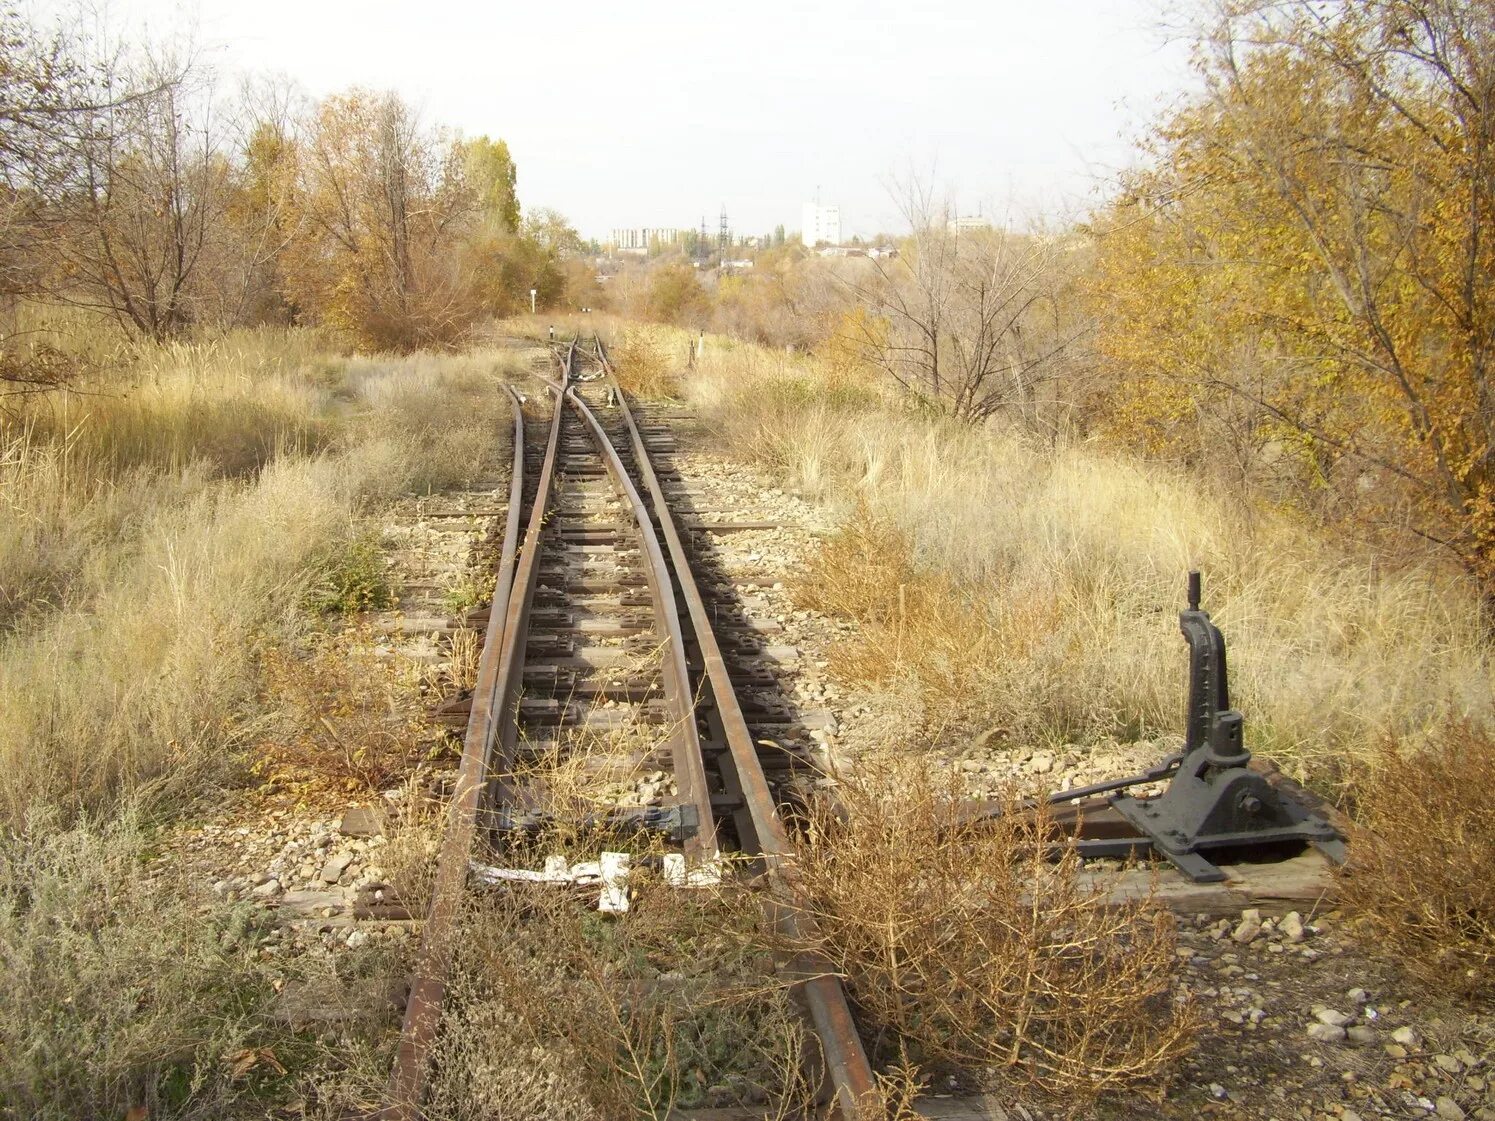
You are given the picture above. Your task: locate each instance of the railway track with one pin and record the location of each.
(608, 624)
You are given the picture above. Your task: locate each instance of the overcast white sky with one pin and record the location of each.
(660, 111)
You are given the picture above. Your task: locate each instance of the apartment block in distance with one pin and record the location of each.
(638, 238)
(820, 225)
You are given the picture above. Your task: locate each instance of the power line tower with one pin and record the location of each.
(702, 250)
(723, 237)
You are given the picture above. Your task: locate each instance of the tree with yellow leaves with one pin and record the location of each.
(1306, 268)
(382, 209)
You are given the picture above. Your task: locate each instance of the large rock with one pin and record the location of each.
(363, 821)
(333, 870)
(1249, 927)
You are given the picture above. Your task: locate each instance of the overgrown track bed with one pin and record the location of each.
(606, 707)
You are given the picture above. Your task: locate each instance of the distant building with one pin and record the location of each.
(820, 225)
(968, 223)
(638, 239)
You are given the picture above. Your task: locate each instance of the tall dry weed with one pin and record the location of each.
(967, 947)
(1422, 876)
(646, 364)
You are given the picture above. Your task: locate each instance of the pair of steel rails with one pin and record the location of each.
(484, 783)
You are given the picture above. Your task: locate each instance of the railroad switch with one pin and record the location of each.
(1214, 800)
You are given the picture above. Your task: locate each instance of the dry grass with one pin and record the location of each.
(647, 363)
(133, 993)
(149, 683)
(341, 714)
(1423, 878)
(164, 529)
(446, 411)
(566, 1014)
(122, 992)
(1072, 561)
(917, 628)
(162, 524)
(970, 949)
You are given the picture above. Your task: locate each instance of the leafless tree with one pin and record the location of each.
(148, 185)
(973, 321)
(246, 283)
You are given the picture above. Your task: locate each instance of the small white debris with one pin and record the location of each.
(614, 897)
(555, 872)
(676, 874)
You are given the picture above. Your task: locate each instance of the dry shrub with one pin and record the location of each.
(1423, 879)
(970, 948)
(123, 991)
(917, 627)
(345, 714)
(560, 1013)
(643, 364)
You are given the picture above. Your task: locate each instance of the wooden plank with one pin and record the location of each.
(1288, 885)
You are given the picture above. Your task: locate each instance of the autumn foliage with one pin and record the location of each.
(1301, 281)
(131, 188)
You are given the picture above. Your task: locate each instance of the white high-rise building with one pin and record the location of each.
(639, 239)
(820, 225)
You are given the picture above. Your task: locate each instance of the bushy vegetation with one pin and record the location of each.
(1301, 280)
(965, 947)
(128, 995)
(1031, 592)
(1421, 878)
(135, 191)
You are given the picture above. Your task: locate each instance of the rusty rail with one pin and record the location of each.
(845, 1058)
(484, 779)
(496, 684)
(685, 743)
